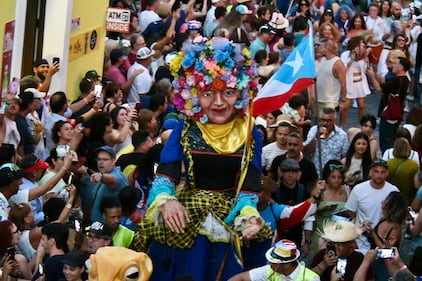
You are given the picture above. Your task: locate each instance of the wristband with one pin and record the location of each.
(69, 206)
(86, 101)
(403, 267)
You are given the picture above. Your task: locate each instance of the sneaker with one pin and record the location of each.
(406, 108)
(355, 104)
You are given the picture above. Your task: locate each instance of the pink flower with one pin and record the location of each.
(178, 101)
(185, 94)
(231, 83)
(210, 65)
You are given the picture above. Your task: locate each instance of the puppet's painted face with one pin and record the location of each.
(118, 264)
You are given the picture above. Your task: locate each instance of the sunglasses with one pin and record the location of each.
(334, 167)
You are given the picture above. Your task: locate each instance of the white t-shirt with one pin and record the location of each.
(269, 152)
(146, 17)
(388, 154)
(366, 202)
(141, 85)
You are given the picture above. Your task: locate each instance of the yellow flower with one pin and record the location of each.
(194, 92)
(188, 104)
(246, 53)
(176, 63)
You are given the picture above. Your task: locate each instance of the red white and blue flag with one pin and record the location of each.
(295, 74)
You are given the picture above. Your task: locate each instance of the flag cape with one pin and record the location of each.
(296, 73)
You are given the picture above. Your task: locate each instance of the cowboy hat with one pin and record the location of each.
(340, 231)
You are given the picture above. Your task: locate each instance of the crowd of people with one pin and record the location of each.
(161, 155)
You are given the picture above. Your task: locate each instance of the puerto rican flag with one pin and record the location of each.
(296, 73)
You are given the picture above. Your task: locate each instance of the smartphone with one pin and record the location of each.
(11, 252)
(41, 269)
(56, 59)
(98, 89)
(70, 179)
(138, 106)
(3, 107)
(385, 253)
(331, 249)
(77, 226)
(341, 267)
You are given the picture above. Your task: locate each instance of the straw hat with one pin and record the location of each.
(341, 231)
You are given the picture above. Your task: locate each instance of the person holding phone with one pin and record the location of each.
(340, 253)
(12, 264)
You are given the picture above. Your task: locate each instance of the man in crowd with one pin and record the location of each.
(278, 147)
(333, 139)
(111, 211)
(108, 181)
(44, 73)
(54, 241)
(283, 265)
(365, 201)
(142, 83)
(340, 237)
(309, 173)
(99, 236)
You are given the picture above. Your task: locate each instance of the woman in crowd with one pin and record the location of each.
(400, 42)
(357, 160)
(74, 267)
(232, 23)
(101, 125)
(385, 11)
(357, 26)
(63, 133)
(368, 123)
(388, 232)
(13, 265)
(328, 31)
(147, 121)
(334, 198)
(190, 228)
(402, 133)
(402, 170)
(271, 118)
(356, 81)
(23, 217)
(342, 19)
(113, 96)
(327, 16)
(56, 161)
(301, 10)
(121, 135)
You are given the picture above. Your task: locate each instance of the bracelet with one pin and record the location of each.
(93, 109)
(403, 267)
(102, 175)
(69, 206)
(86, 101)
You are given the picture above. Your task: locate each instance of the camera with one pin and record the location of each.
(385, 253)
(341, 267)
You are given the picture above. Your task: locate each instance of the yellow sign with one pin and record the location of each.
(83, 43)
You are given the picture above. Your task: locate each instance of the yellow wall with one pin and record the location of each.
(7, 13)
(92, 14)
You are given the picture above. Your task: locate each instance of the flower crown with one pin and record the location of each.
(217, 62)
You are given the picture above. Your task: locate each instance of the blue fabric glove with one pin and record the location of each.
(160, 185)
(244, 199)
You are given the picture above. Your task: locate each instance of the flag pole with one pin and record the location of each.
(318, 127)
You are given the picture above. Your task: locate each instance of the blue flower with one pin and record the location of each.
(228, 48)
(194, 101)
(197, 109)
(208, 79)
(242, 81)
(229, 64)
(225, 77)
(176, 84)
(203, 119)
(199, 66)
(188, 60)
(221, 56)
(238, 104)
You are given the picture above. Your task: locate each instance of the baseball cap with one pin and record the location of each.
(289, 165)
(144, 53)
(108, 149)
(37, 94)
(328, 11)
(243, 10)
(169, 57)
(30, 163)
(100, 229)
(9, 172)
(194, 25)
(91, 75)
(378, 162)
(74, 259)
